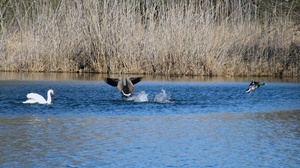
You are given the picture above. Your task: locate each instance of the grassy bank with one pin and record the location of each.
(151, 37)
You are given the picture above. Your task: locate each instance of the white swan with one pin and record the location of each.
(36, 98)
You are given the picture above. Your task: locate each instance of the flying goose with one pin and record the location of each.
(124, 85)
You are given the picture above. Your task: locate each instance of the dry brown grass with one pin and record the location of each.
(163, 38)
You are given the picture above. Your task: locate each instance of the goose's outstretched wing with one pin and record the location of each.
(135, 80)
(131, 81)
(112, 81)
(115, 82)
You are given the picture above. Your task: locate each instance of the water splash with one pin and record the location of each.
(141, 97)
(162, 97)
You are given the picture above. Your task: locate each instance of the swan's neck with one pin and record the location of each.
(49, 97)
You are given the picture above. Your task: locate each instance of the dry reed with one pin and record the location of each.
(226, 38)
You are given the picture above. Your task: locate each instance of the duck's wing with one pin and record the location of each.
(250, 87)
(257, 83)
(112, 81)
(252, 83)
(135, 80)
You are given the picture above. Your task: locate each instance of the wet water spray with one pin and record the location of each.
(162, 97)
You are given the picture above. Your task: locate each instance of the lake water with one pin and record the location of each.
(170, 122)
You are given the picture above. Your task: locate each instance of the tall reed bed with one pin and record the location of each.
(203, 37)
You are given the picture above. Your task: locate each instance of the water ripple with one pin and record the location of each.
(163, 125)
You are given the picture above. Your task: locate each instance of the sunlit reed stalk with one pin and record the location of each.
(228, 38)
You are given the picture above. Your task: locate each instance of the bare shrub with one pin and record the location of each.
(229, 38)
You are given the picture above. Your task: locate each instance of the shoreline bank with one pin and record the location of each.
(97, 76)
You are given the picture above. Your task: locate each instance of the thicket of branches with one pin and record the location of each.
(172, 37)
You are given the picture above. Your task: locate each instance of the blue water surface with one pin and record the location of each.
(165, 124)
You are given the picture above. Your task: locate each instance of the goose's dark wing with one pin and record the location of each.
(135, 80)
(115, 82)
(112, 81)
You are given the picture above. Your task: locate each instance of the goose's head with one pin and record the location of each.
(126, 92)
(126, 95)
